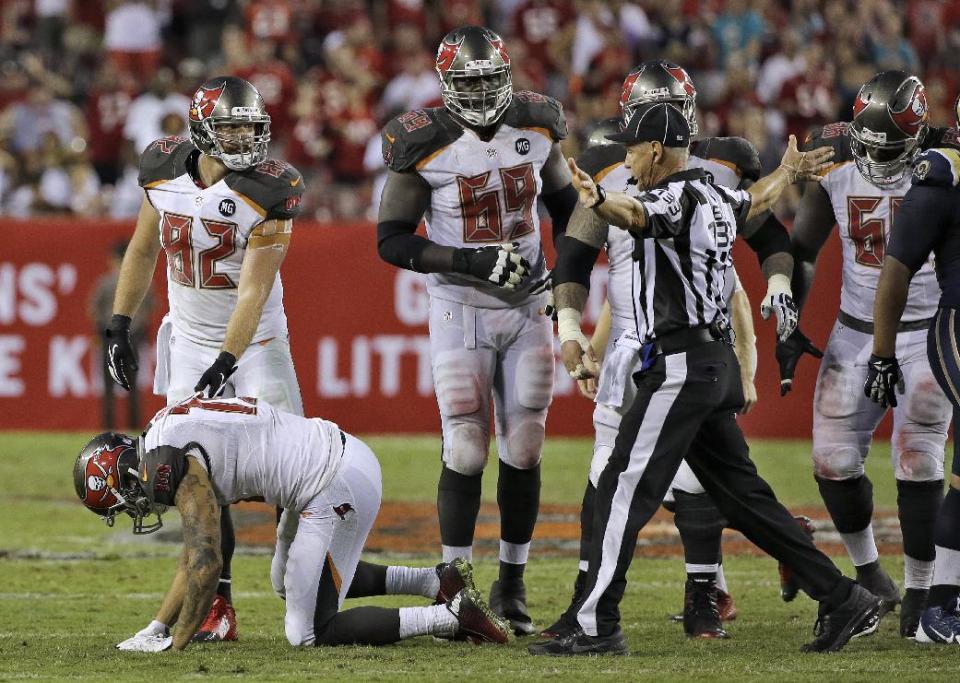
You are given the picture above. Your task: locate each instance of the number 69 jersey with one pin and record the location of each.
(205, 232)
(864, 215)
(483, 192)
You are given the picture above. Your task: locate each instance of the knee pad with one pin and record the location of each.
(686, 481)
(525, 443)
(917, 458)
(465, 448)
(297, 634)
(534, 377)
(456, 384)
(839, 391)
(926, 404)
(837, 463)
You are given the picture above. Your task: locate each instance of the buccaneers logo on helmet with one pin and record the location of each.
(205, 101)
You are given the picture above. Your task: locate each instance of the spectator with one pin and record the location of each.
(42, 113)
(890, 49)
(143, 124)
(276, 83)
(783, 65)
(416, 86)
(108, 104)
(809, 99)
(738, 29)
(132, 37)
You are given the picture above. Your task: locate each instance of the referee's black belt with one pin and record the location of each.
(867, 327)
(682, 340)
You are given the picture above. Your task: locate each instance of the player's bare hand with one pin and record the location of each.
(587, 387)
(584, 185)
(805, 165)
(579, 359)
(749, 394)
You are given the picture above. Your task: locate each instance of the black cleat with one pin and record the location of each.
(509, 601)
(567, 623)
(914, 602)
(789, 588)
(701, 614)
(454, 577)
(877, 581)
(579, 643)
(858, 615)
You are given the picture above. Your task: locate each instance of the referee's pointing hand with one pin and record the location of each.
(586, 188)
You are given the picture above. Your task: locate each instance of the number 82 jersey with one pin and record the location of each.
(205, 232)
(483, 191)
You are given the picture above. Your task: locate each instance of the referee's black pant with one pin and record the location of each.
(685, 406)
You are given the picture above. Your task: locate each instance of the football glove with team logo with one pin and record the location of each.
(121, 355)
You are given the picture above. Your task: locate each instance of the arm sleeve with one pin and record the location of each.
(575, 261)
(770, 238)
(560, 206)
(919, 224)
(399, 245)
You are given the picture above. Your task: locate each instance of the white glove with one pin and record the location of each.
(779, 300)
(154, 638)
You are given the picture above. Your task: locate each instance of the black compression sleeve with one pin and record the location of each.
(575, 261)
(399, 245)
(919, 224)
(770, 238)
(560, 206)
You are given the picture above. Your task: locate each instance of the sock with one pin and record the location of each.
(703, 575)
(701, 526)
(434, 620)
(518, 496)
(586, 524)
(946, 571)
(412, 581)
(157, 628)
(850, 503)
(918, 503)
(368, 579)
(721, 579)
(702, 570)
(510, 572)
(458, 504)
(227, 545)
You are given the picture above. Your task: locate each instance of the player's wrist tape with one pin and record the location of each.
(778, 284)
(568, 327)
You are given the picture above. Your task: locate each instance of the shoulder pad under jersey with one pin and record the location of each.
(941, 137)
(834, 135)
(413, 137)
(161, 471)
(164, 159)
(601, 159)
(274, 187)
(738, 152)
(937, 167)
(533, 110)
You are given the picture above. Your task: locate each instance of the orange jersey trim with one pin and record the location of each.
(426, 160)
(337, 581)
(252, 204)
(155, 183)
(604, 172)
(543, 131)
(732, 166)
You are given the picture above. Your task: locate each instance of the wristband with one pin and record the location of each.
(601, 197)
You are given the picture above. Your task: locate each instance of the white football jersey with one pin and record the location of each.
(483, 192)
(205, 232)
(864, 214)
(614, 177)
(251, 450)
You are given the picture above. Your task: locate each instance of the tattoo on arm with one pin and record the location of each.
(586, 226)
(200, 513)
(570, 295)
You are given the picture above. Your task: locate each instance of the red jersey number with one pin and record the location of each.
(176, 240)
(482, 221)
(869, 235)
(243, 405)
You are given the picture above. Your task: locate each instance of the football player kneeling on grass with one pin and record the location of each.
(200, 454)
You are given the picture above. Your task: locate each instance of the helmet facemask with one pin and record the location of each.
(880, 162)
(478, 94)
(237, 148)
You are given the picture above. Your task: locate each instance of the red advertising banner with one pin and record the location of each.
(357, 327)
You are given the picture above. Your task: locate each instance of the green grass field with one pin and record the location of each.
(72, 588)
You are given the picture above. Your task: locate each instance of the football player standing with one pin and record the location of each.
(861, 194)
(734, 163)
(474, 169)
(223, 214)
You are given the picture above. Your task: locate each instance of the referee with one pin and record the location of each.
(689, 388)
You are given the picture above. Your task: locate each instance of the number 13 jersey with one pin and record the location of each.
(864, 214)
(483, 192)
(205, 232)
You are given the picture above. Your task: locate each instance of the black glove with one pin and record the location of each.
(884, 381)
(500, 264)
(545, 284)
(121, 356)
(788, 355)
(217, 375)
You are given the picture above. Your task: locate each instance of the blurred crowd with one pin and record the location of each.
(85, 85)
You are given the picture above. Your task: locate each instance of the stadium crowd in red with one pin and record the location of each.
(85, 85)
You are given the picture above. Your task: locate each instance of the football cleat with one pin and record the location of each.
(725, 605)
(858, 615)
(701, 615)
(788, 582)
(477, 622)
(147, 642)
(567, 622)
(877, 581)
(454, 577)
(220, 624)
(914, 602)
(509, 601)
(939, 624)
(579, 643)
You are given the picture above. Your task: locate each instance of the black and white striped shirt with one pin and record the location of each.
(682, 259)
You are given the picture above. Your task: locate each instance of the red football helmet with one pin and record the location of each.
(106, 480)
